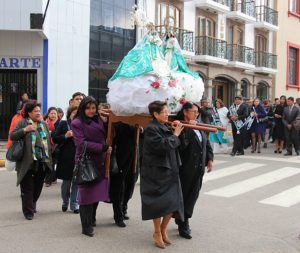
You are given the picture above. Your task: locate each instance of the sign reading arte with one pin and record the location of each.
(20, 62)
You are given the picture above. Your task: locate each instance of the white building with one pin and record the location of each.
(50, 60)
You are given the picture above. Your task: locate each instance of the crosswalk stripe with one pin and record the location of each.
(289, 159)
(254, 182)
(231, 170)
(286, 198)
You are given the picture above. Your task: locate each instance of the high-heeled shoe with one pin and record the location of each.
(158, 241)
(165, 237)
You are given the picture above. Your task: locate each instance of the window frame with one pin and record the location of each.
(176, 17)
(291, 12)
(288, 85)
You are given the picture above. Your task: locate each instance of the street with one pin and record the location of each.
(248, 204)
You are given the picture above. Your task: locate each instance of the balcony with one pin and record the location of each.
(266, 18)
(243, 12)
(210, 50)
(215, 6)
(265, 63)
(240, 56)
(185, 38)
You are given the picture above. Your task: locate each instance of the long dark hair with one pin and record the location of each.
(83, 105)
(186, 106)
(49, 110)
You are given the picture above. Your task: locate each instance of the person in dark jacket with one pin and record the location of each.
(278, 134)
(196, 153)
(238, 112)
(36, 160)
(63, 137)
(258, 126)
(206, 112)
(161, 192)
(88, 130)
(290, 114)
(22, 102)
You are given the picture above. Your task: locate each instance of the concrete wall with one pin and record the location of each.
(67, 29)
(289, 28)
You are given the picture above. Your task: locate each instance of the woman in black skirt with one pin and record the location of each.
(279, 127)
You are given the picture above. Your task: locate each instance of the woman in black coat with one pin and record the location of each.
(195, 153)
(63, 137)
(160, 185)
(279, 127)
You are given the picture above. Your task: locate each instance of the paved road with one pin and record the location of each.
(249, 204)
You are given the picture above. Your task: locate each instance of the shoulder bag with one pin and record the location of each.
(85, 170)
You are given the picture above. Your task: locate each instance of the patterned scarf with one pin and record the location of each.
(39, 153)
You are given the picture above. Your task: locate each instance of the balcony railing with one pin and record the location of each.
(240, 53)
(266, 60)
(210, 46)
(224, 2)
(246, 7)
(185, 38)
(266, 14)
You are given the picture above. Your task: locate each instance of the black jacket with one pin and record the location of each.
(160, 185)
(242, 112)
(288, 118)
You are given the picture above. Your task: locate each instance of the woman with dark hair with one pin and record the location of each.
(195, 153)
(63, 137)
(279, 127)
(160, 185)
(258, 126)
(88, 131)
(36, 160)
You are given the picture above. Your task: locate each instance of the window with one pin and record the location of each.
(293, 65)
(261, 43)
(174, 15)
(206, 27)
(294, 7)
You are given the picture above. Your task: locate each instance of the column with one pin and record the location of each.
(238, 89)
(254, 90)
(208, 89)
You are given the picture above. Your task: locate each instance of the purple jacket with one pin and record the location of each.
(94, 134)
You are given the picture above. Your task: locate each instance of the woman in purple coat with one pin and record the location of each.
(258, 126)
(89, 128)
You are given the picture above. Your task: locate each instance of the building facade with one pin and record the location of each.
(230, 43)
(288, 49)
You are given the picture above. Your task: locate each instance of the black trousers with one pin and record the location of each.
(291, 137)
(121, 190)
(238, 139)
(31, 187)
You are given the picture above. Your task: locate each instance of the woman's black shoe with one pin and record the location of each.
(64, 208)
(185, 233)
(76, 211)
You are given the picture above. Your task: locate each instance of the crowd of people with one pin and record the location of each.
(171, 161)
(255, 124)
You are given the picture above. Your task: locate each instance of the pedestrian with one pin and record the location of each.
(206, 111)
(52, 121)
(195, 153)
(258, 126)
(60, 113)
(269, 122)
(238, 112)
(161, 192)
(219, 139)
(36, 160)
(24, 99)
(88, 130)
(65, 158)
(290, 114)
(76, 98)
(278, 136)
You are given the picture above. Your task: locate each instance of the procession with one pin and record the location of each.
(153, 150)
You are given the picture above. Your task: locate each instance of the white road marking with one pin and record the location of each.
(231, 170)
(286, 198)
(218, 162)
(253, 183)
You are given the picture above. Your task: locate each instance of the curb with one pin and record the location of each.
(2, 163)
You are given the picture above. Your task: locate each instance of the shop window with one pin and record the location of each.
(293, 65)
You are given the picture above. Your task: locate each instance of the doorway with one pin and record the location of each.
(12, 84)
(223, 89)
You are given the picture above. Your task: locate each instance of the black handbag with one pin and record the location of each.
(85, 170)
(15, 151)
